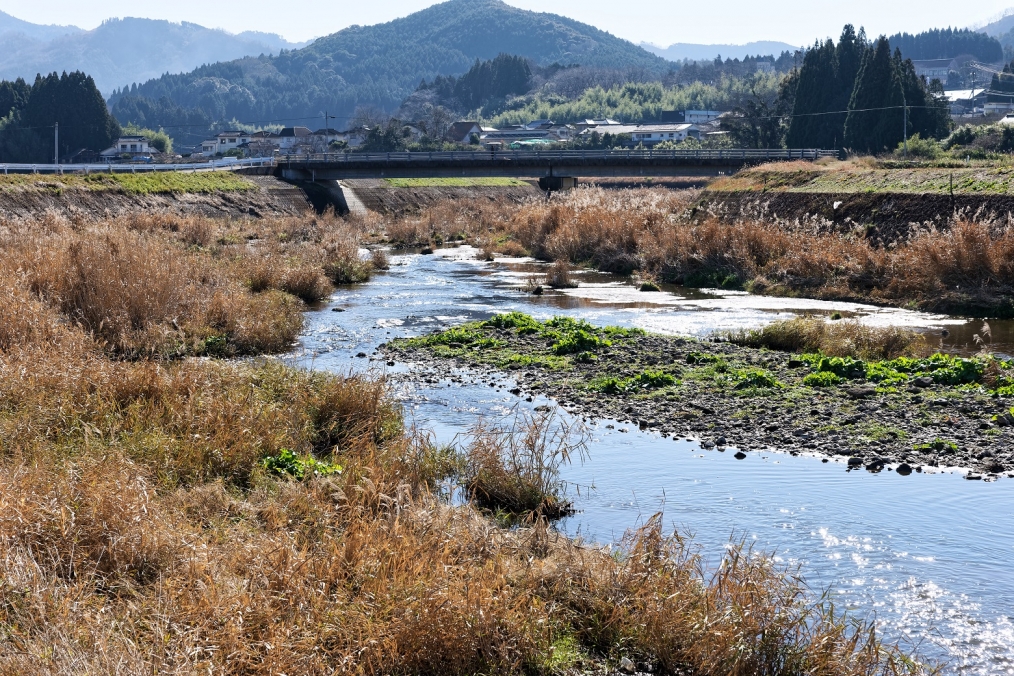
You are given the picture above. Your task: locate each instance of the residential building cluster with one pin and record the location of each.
(673, 126)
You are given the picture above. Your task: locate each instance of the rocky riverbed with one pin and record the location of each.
(871, 417)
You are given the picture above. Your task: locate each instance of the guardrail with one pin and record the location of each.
(731, 154)
(109, 168)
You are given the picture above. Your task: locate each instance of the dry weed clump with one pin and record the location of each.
(846, 338)
(515, 468)
(139, 532)
(558, 276)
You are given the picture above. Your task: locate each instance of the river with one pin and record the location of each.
(928, 555)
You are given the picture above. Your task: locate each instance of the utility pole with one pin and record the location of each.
(327, 130)
(905, 117)
(56, 143)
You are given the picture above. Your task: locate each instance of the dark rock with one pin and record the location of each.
(390, 363)
(972, 476)
(796, 363)
(426, 251)
(861, 392)
(875, 465)
(923, 381)
(337, 309)
(739, 455)
(361, 355)
(720, 441)
(516, 392)
(855, 462)
(904, 469)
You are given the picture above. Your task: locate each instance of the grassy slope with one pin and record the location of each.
(848, 177)
(135, 184)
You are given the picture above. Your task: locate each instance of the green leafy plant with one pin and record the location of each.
(748, 378)
(287, 463)
(822, 379)
(579, 341)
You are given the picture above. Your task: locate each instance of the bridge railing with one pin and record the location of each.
(111, 168)
(729, 154)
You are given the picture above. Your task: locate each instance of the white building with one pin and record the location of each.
(128, 145)
(650, 134)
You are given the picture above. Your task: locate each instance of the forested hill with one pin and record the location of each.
(381, 65)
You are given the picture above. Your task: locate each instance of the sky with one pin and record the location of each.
(661, 22)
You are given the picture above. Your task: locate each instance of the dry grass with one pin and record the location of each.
(967, 266)
(140, 534)
(167, 286)
(515, 468)
(846, 338)
(558, 276)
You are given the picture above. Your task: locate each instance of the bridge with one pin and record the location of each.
(532, 163)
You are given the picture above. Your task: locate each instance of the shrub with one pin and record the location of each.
(821, 379)
(579, 341)
(287, 463)
(559, 277)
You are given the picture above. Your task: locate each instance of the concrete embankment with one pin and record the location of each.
(382, 197)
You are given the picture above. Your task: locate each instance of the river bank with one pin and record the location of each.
(930, 415)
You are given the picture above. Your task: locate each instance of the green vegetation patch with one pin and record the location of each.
(850, 179)
(479, 182)
(647, 380)
(146, 183)
(288, 463)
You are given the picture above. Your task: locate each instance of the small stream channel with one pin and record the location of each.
(928, 555)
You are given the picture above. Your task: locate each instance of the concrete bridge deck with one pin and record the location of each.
(529, 164)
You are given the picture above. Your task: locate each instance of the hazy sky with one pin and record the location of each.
(662, 22)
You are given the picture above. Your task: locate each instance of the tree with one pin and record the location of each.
(71, 100)
(875, 117)
(815, 97)
(76, 104)
(13, 96)
(757, 123)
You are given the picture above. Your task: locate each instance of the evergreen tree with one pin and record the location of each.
(72, 100)
(13, 96)
(810, 126)
(875, 117)
(75, 102)
(850, 52)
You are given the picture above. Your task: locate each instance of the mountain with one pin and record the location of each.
(121, 51)
(380, 65)
(10, 24)
(1001, 26)
(692, 52)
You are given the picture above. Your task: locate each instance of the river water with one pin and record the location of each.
(929, 556)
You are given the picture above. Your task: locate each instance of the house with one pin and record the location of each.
(209, 147)
(291, 138)
(538, 125)
(700, 116)
(1007, 119)
(227, 140)
(966, 101)
(461, 132)
(135, 146)
(651, 134)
